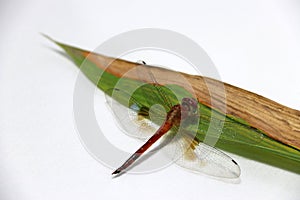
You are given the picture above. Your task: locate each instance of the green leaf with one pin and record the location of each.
(236, 136)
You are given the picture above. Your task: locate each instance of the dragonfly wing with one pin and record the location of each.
(199, 157)
(145, 74)
(128, 117)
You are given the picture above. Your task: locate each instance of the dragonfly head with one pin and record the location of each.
(189, 105)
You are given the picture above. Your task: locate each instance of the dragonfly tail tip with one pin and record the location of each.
(116, 172)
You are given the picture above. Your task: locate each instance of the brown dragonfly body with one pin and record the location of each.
(188, 107)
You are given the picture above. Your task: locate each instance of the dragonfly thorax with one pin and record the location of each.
(174, 115)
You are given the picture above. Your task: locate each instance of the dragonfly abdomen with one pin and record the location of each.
(173, 118)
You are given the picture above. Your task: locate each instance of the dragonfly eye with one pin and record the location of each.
(185, 107)
(190, 104)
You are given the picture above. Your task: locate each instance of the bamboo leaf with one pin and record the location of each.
(265, 140)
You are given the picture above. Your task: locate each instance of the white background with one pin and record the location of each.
(254, 44)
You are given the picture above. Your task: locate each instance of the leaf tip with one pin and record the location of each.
(47, 36)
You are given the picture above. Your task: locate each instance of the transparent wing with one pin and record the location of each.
(145, 74)
(199, 157)
(134, 118)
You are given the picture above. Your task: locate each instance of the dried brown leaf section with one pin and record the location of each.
(275, 120)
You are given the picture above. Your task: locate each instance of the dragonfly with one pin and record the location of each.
(191, 153)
